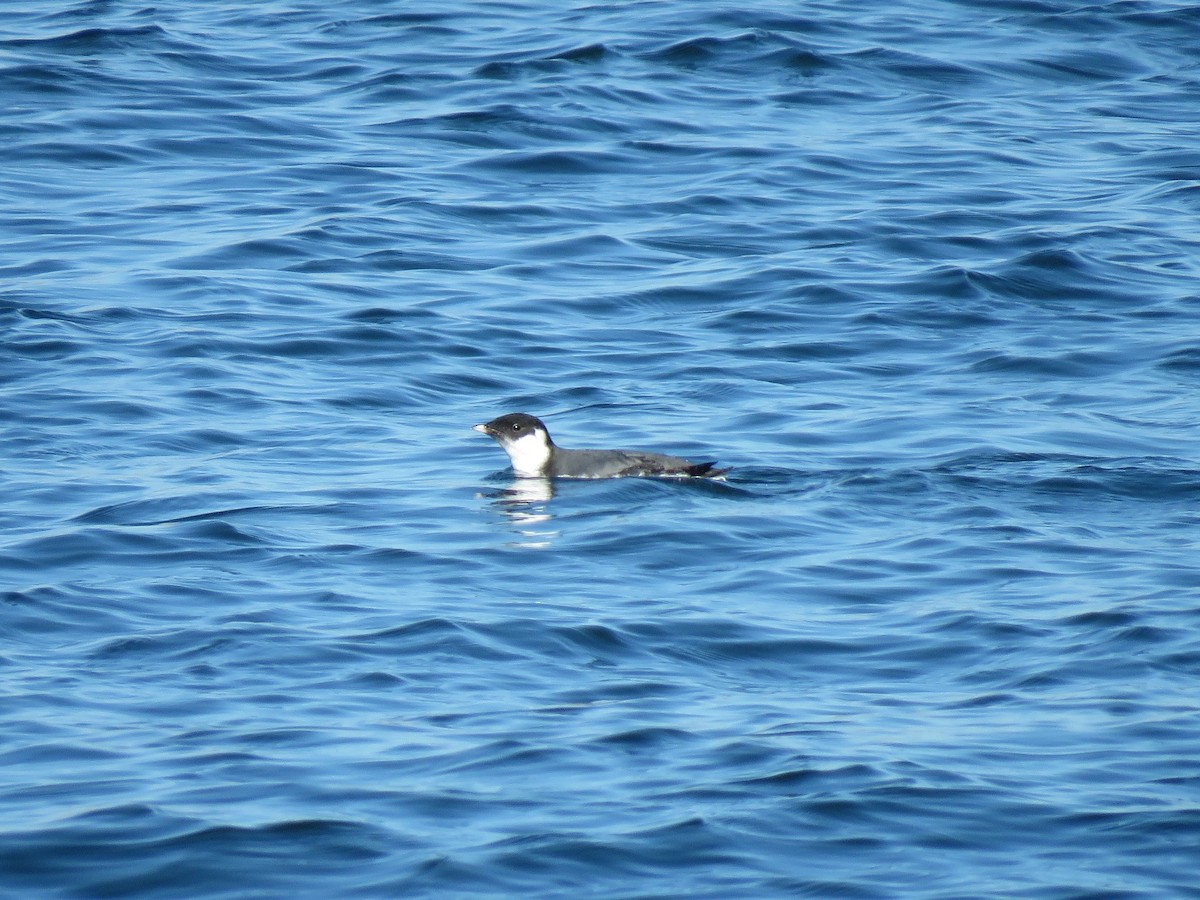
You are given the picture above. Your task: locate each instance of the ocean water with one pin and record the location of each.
(276, 622)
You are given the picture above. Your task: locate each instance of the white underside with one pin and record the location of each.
(529, 454)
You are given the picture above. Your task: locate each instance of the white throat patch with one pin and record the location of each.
(529, 454)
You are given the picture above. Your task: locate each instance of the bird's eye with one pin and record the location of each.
(516, 426)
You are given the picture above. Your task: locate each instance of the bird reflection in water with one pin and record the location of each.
(525, 503)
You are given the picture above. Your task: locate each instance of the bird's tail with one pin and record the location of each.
(705, 470)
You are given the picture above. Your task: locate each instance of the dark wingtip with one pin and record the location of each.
(705, 470)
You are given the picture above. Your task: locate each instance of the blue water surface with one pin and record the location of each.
(276, 622)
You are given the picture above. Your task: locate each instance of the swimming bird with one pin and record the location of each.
(534, 454)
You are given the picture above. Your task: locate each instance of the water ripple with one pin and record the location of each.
(280, 622)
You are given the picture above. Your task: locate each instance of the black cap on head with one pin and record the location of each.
(513, 425)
